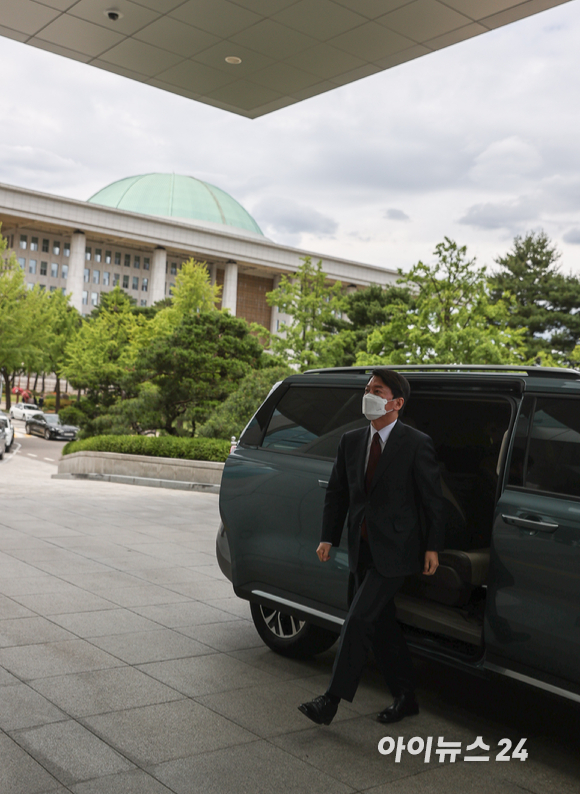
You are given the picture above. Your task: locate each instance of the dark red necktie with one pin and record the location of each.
(374, 457)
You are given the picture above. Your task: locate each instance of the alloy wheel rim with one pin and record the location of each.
(282, 625)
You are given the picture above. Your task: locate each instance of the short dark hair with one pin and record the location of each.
(396, 382)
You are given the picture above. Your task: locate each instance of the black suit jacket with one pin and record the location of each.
(404, 506)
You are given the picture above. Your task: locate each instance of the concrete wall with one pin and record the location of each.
(199, 471)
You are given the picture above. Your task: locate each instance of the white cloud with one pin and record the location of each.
(480, 137)
(393, 214)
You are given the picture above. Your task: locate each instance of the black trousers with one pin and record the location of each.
(371, 624)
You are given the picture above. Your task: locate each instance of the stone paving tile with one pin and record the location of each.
(99, 583)
(22, 707)
(61, 603)
(267, 710)
(206, 588)
(104, 623)
(348, 750)
(102, 691)
(9, 608)
(258, 768)
(39, 584)
(281, 666)
(7, 679)
(514, 777)
(189, 613)
(21, 774)
(203, 675)
(225, 636)
(55, 658)
(71, 753)
(144, 595)
(165, 574)
(154, 734)
(232, 604)
(31, 631)
(151, 646)
(137, 782)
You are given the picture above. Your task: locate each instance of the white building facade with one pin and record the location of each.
(85, 249)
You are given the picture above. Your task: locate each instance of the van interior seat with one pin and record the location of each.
(458, 574)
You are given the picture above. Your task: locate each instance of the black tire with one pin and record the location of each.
(47, 435)
(27, 429)
(290, 636)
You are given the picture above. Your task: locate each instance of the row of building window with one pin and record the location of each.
(95, 299)
(116, 279)
(30, 285)
(45, 245)
(97, 256)
(54, 267)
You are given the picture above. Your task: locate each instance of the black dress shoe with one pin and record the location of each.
(321, 710)
(404, 705)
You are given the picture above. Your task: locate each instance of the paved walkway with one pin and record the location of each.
(127, 666)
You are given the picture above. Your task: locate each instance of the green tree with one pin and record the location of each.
(62, 323)
(230, 418)
(547, 302)
(198, 366)
(365, 310)
(193, 293)
(101, 357)
(451, 318)
(21, 321)
(310, 339)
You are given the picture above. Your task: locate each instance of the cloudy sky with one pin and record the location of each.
(478, 142)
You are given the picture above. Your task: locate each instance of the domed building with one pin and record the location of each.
(137, 232)
(175, 196)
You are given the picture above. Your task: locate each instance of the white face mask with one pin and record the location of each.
(373, 406)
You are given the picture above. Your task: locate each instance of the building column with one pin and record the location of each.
(157, 280)
(275, 316)
(230, 288)
(76, 269)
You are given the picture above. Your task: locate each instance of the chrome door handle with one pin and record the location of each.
(323, 483)
(528, 523)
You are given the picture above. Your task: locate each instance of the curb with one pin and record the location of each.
(179, 485)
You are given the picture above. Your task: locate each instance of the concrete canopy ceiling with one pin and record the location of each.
(289, 49)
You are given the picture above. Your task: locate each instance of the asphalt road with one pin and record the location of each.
(34, 447)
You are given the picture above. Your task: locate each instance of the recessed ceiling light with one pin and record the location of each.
(233, 59)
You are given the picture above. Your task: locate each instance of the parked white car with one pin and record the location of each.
(8, 427)
(22, 410)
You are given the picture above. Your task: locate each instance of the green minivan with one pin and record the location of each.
(506, 595)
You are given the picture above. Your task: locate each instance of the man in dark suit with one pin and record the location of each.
(383, 478)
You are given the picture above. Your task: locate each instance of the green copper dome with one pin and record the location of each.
(174, 196)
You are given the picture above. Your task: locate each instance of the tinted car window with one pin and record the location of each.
(310, 420)
(553, 461)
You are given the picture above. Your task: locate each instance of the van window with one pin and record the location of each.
(310, 420)
(553, 460)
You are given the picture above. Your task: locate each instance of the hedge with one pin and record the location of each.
(157, 446)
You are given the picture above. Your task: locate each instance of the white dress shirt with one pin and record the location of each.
(384, 434)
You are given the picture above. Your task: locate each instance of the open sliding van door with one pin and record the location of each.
(532, 620)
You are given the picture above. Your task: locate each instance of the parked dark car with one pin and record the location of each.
(50, 426)
(506, 596)
(2, 441)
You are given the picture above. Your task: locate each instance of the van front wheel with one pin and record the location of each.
(288, 635)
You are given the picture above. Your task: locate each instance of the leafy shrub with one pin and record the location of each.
(71, 415)
(156, 446)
